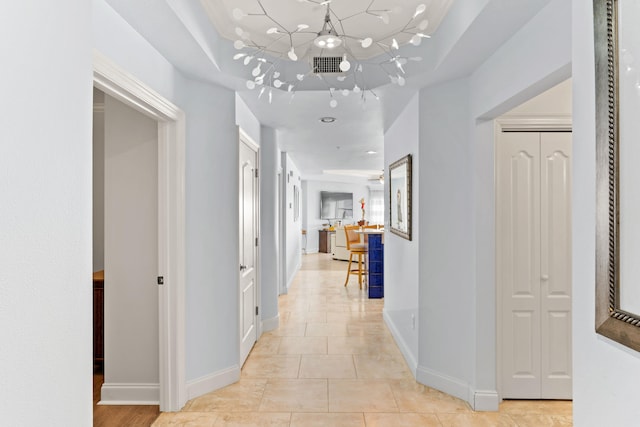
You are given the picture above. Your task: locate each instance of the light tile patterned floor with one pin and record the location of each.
(332, 362)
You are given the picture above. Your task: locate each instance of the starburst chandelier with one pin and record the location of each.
(335, 56)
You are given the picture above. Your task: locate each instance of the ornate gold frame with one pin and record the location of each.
(611, 321)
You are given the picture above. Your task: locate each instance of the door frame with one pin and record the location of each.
(244, 138)
(114, 81)
(547, 123)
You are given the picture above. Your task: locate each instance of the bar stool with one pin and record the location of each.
(355, 248)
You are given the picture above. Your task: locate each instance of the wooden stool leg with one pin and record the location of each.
(360, 270)
(348, 269)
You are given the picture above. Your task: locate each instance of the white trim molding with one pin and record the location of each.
(450, 385)
(485, 400)
(129, 394)
(271, 324)
(529, 123)
(215, 381)
(479, 400)
(409, 357)
(111, 79)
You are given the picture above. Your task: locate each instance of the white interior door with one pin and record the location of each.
(248, 248)
(534, 253)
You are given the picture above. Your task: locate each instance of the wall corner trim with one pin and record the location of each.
(485, 400)
(212, 382)
(409, 357)
(271, 324)
(453, 386)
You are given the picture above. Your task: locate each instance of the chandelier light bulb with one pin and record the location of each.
(345, 92)
(261, 93)
(247, 60)
(300, 77)
(302, 27)
(272, 30)
(420, 10)
(251, 84)
(423, 25)
(416, 40)
(333, 103)
(276, 74)
(238, 14)
(292, 54)
(394, 44)
(256, 71)
(239, 55)
(401, 80)
(277, 84)
(366, 42)
(238, 44)
(356, 89)
(239, 31)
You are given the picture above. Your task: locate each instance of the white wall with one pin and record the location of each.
(402, 257)
(45, 218)
(98, 180)
(131, 362)
(292, 252)
(212, 242)
(269, 227)
(605, 373)
(313, 223)
(446, 239)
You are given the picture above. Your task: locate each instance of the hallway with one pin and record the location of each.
(333, 362)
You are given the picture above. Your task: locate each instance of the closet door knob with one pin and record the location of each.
(545, 277)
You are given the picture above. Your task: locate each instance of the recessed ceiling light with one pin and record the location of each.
(327, 119)
(372, 152)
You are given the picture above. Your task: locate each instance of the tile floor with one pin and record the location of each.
(332, 362)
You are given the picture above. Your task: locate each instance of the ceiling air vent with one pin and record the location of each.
(326, 64)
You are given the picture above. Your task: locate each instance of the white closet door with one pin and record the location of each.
(519, 224)
(556, 265)
(534, 252)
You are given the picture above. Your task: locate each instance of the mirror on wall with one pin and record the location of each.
(617, 54)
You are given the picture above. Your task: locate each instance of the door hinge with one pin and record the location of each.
(256, 241)
(160, 280)
(256, 169)
(257, 310)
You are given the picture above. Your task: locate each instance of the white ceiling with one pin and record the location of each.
(182, 31)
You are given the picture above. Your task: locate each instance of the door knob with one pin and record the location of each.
(545, 277)
(243, 267)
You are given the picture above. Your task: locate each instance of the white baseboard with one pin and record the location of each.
(453, 386)
(271, 324)
(215, 381)
(129, 394)
(479, 400)
(486, 400)
(409, 357)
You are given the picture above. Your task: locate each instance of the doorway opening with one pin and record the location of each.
(533, 249)
(170, 391)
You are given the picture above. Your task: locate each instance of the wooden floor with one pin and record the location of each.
(120, 416)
